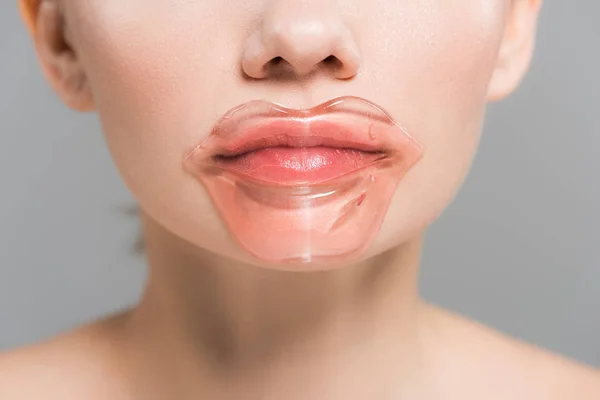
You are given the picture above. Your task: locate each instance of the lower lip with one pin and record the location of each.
(298, 165)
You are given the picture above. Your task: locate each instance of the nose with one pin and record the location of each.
(298, 37)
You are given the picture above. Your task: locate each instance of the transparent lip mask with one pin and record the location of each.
(298, 186)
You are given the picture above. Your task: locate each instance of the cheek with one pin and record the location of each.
(159, 79)
(154, 72)
(433, 67)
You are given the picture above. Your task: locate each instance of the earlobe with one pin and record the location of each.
(59, 61)
(516, 50)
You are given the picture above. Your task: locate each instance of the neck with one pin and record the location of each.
(208, 316)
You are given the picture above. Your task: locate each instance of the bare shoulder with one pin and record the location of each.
(69, 366)
(502, 367)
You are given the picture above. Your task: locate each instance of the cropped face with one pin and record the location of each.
(162, 73)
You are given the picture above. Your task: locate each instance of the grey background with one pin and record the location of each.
(518, 249)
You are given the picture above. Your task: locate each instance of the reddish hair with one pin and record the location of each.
(28, 10)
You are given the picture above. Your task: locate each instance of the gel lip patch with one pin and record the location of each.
(296, 186)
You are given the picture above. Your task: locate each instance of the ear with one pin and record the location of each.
(516, 49)
(60, 64)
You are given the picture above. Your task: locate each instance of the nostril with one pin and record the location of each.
(332, 61)
(276, 60)
(279, 66)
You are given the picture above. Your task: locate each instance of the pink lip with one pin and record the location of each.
(288, 152)
(264, 142)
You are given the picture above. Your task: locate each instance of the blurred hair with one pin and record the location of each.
(139, 246)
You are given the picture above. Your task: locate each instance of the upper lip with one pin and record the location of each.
(297, 133)
(343, 122)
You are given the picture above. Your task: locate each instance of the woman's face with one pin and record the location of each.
(161, 73)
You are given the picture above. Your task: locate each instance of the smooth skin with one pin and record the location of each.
(214, 323)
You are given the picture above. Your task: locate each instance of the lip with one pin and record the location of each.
(271, 144)
(308, 185)
(288, 152)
